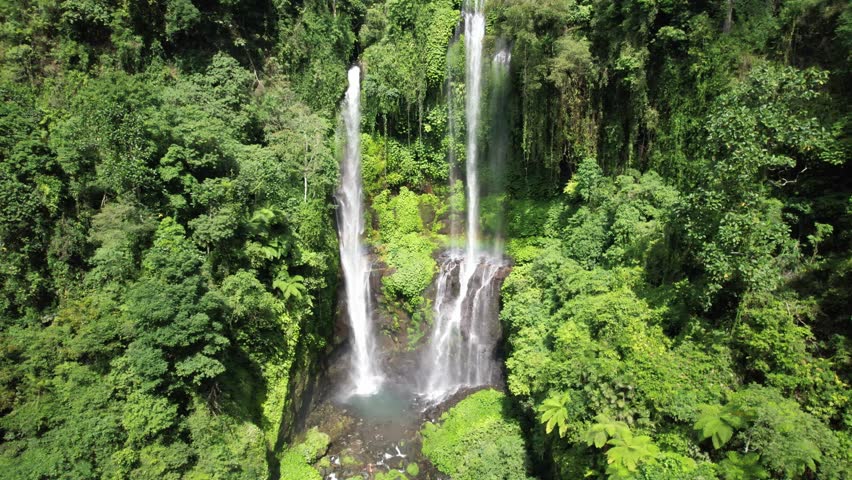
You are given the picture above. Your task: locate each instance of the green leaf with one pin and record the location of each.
(604, 429)
(554, 413)
(630, 451)
(742, 467)
(600, 439)
(719, 423)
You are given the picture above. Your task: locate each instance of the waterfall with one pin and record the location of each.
(498, 145)
(465, 330)
(474, 32)
(365, 375)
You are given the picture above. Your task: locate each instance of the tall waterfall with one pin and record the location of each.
(461, 351)
(474, 32)
(365, 374)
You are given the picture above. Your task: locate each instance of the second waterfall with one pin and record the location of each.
(461, 350)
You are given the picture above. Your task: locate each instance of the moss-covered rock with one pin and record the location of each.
(294, 467)
(296, 461)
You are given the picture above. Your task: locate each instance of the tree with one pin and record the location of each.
(762, 136)
(290, 286)
(178, 341)
(298, 138)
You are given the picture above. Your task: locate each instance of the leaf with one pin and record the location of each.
(290, 287)
(719, 423)
(600, 439)
(554, 413)
(630, 451)
(604, 429)
(742, 467)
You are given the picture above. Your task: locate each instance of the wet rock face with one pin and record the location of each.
(466, 331)
(371, 436)
(380, 434)
(381, 309)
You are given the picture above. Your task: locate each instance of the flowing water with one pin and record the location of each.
(461, 352)
(376, 429)
(365, 375)
(465, 330)
(474, 32)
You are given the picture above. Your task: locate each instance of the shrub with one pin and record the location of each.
(477, 441)
(414, 267)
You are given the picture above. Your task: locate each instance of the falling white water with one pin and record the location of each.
(502, 59)
(366, 377)
(474, 32)
(462, 345)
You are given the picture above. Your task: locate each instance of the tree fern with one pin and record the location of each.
(290, 287)
(742, 467)
(604, 429)
(629, 452)
(554, 413)
(719, 423)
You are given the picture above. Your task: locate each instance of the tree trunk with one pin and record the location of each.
(305, 171)
(729, 16)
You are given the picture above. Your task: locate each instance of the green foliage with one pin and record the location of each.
(788, 440)
(626, 452)
(294, 467)
(290, 287)
(171, 310)
(476, 440)
(742, 467)
(226, 445)
(554, 413)
(296, 461)
(719, 423)
(407, 245)
(314, 446)
(609, 313)
(398, 215)
(315, 48)
(672, 466)
(148, 168)
(168, 254)
(413, 268)
(603, 430)
(768, 124)
(406, 57)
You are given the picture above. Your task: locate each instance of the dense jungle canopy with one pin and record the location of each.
(676, 202)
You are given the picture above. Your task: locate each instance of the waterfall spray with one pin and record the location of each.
(498, 144)
(366, 377)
